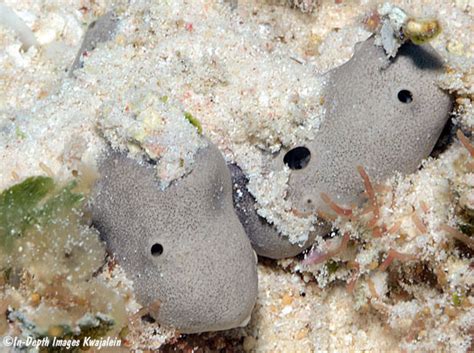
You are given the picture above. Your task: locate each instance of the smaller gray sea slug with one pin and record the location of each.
(183, 247)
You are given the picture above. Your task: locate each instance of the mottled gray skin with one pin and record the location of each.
(365, 124)
(206, 278)
(99, 31)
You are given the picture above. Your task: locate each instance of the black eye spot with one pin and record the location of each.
(157, 249)
(297, 158)
(405, 96)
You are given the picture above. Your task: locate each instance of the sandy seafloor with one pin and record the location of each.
(49, 123)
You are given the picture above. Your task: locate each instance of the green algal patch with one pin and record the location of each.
(18, 204)
(35, 201)
(332, 266)
(456, 299)
(195, 122)
(20, 134)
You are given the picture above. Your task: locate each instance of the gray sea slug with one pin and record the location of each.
(190, 260)
(184, 248)
(384, 115)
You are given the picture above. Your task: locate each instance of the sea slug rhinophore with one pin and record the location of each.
(382, 114)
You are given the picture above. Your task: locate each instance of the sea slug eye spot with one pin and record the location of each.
(297, 158)
(156, 249)
(405, 96)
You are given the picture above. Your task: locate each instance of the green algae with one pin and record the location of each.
(18, 205)
(20, 134)
(35, 201)
(332, 266)
(65, 199)
(195, 122)
(456, 299)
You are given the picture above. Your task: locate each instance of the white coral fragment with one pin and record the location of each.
(393, 20)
